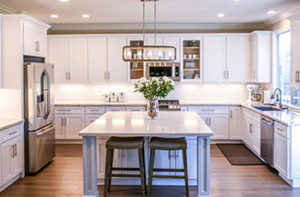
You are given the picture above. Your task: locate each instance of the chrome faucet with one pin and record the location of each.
(280, 95)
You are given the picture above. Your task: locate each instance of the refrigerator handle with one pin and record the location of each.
(45, 90)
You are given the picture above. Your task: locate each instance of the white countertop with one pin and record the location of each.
(4, 124)
(138, 124)
(100, 103)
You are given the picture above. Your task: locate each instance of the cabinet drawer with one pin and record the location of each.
(69, 110)
(135, 108)
(209, 109)
(280, 129)
(9, 133)
(115, 108)
(95, 110)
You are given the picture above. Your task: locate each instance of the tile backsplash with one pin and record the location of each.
(185, 92)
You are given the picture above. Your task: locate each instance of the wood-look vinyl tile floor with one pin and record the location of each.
(63, 178)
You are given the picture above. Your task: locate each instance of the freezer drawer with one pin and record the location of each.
(41, 148)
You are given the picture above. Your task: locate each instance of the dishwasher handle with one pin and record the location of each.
(268, 121)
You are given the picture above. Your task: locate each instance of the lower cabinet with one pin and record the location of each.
(235, 121)
(216, 117)
(11, 155)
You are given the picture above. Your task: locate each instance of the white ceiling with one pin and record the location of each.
(168, 11)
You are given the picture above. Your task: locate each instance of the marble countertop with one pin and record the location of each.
(4, 124)
(101, 103)
(138, 124)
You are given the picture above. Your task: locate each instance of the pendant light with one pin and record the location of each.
(149, 53)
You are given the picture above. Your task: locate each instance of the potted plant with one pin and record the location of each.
(153, 90)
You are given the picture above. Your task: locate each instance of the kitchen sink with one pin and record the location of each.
(267, 108)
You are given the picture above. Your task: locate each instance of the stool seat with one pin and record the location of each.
(125, 142)
(168, 143)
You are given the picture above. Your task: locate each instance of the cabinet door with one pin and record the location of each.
(59, 126)
(214, 58)
(40, 42)
(74, 124)
(174, 41)
(6, 161)
(29, 39)
(237, 52)
(58, 55)
(97, 59)
(255, 136)
(280, 154)
(89, 119)
(235, 123)
(78, 59)
(117, 68)
(247, 132)
(295, 58)
(219, 125)
(17, 161)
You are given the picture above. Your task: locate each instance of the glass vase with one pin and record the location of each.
(152, 108)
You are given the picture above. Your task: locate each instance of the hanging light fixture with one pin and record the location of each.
(149, 53)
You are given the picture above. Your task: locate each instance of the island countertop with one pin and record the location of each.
(138, 123)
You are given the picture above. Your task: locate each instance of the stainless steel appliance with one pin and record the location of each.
(169, 105)
(267, 139)
(39, 115)
(168, 69)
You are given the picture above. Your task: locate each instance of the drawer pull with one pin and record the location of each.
(14, 132)
(279, 129)
(63, 110)
(94, 110)
(208, 110)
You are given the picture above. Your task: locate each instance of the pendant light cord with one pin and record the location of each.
(143, 22)
(155, 22)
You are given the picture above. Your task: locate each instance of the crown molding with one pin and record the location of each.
(7, 10)
(280, 17)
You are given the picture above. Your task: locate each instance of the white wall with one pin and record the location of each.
(10, 105)
(185, 92)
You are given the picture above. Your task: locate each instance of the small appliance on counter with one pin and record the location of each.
(169, 105)
(115, 97)
(254, 94)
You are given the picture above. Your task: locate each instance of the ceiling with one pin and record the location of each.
(168, 11)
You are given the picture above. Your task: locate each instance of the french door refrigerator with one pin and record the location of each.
(39, 115)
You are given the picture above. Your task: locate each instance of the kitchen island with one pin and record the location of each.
(138, 124)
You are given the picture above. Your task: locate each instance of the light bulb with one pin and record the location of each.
(160, 55)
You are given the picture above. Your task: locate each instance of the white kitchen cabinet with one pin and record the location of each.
(174, 41)
(78, 60)
(295, 48)
(237, 58)
(117, 68)
(135, 108)
(69, 121)
(69, 56)
(115, 108)
(92, 114)
(58, 55)
(235, 122)
(97, 59)
(216, 117)
(281, 154)
(35, 38)
(260, 68)
(214, 58)
(251, 135)
(11, 155)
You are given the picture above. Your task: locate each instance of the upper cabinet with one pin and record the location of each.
(69, 56)
(35, 38)
(260, 68)
(295, 57)
(225, 58)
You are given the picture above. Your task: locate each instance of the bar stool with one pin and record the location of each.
(157, 143)
(124, 143)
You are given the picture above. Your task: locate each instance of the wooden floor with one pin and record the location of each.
(63, 177)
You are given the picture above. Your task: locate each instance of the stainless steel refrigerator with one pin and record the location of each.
(39, 115)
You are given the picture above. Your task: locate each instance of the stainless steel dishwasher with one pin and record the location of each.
(267, 140)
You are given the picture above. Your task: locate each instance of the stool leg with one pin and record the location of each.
(145, 182)
(185, 173)
(107, 168)
(151, 165)
(110, 167)
(141, 164)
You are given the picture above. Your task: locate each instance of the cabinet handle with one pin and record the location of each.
(64, 110)
(298, 76)
(224, 74)
(108, 75)
(208, 110)
(65, 122)
(279, 129)
(231, 114)
(66, 75)
(12, 150)
(94, 110)
(227, 74)
(37, 46)
(169, 155)
(209, 121)
(16, 149)
(14, 132)
(250, 130)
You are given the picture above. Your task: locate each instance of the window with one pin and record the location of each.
(284, 65)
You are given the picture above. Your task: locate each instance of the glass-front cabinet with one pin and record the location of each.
(136, 67)
(191, 59)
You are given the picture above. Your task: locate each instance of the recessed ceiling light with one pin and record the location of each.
(64, 0)
(85, 16)
(271, 12)
(220, 15)
(54, 16)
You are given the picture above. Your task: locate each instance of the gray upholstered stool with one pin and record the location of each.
(124, 143)
(157, 143)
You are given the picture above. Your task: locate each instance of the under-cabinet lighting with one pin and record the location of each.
(54, 16)
(271, 12)
(85, 16)
(220, 15)
(64, 1)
